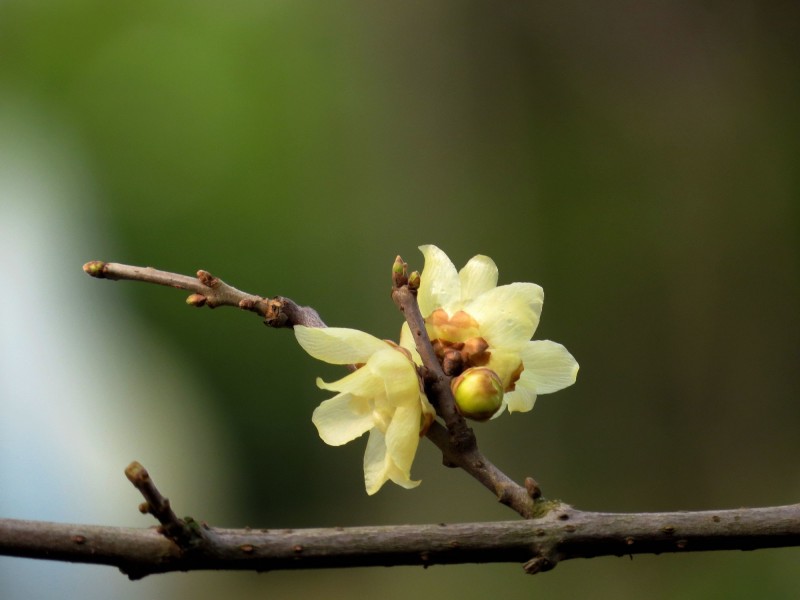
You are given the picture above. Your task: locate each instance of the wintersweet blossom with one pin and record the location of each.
(491, 326)
(382, 396)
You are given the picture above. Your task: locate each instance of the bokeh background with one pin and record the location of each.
(640, 161)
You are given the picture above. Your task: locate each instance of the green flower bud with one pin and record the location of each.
(399, 272)
(478, 393)
(94, 268)
(414, 280)
(196, 300)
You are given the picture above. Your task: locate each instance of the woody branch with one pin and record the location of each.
(539, 544)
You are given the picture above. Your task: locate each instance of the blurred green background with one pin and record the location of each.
(640, 161)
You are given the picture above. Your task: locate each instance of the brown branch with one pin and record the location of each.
(564, 533)
(457, 442)
(537, 544)
(210, 291)
(526, 500)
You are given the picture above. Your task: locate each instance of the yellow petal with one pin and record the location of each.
(342, 419)
(506, 364)
(361, 382)
(398, 374)
(521, 399)
(479, 275)
(375, 474)
(508, 315)
(548, 367)
(379, 466)
(402, 438)
(337, 345)
(440, 285)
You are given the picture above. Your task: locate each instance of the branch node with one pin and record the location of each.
(186, 533)
(538, 564)
(284, 312)
(207, 279)
(275, 316)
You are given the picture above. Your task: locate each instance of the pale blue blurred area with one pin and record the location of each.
(639, 161)
(84, 390)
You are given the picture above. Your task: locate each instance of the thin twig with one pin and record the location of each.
(185, 533)
(210, 291)
(406, 301)
(527, 502)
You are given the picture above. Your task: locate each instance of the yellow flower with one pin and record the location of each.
(489, 326)
(383, 396)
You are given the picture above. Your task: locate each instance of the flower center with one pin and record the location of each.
(455, 357)
(381, 418)
(457, 328)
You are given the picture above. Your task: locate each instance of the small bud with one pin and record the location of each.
(207, 279)
(94, 268)
(478, 393)
(414, 280)
(399, 267)
(196, 300)
(475, 354)
(399, 272)
(452, 362)
(533, 489)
